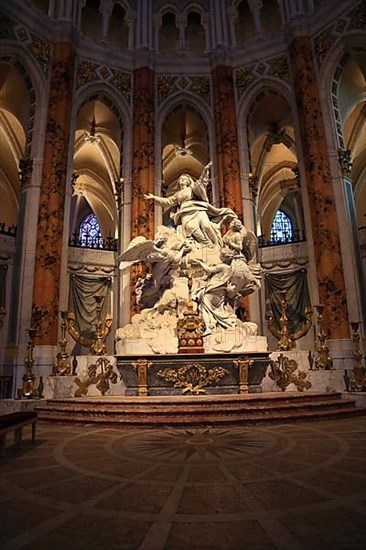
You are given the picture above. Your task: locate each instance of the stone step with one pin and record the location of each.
(186, 410)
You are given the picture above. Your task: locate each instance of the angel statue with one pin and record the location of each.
(194, 216)
(246, 272)
(164, 255)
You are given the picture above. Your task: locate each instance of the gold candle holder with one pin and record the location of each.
(62, 365)
(357, 376)
(28, 389)
(322, 359)
(96, 344)
(285, 338)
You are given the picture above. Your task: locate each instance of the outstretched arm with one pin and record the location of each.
(170, 201)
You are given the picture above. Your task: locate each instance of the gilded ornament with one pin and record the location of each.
(243, 79)
(141, 367)
(283, 372)
(193, 378)
(122, 81)
(165, 87)
(243, 365)
(101, 379)
(42, 52)
(344, 156)
(323, 43)
(86, 72)
(279, 68)
(201, 86)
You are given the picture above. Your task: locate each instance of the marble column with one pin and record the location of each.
(228, 167)
(142, 211)
(46, 288)
(326, 233)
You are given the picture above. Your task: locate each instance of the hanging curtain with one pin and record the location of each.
(83, 291)
(297, 296)
(3, 272)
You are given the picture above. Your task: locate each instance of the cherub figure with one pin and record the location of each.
(163, 260)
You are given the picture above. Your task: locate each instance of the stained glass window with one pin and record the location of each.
(89, 232)
(282, 229)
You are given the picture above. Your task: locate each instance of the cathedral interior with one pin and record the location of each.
(104, 103)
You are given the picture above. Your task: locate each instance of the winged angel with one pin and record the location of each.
(164, 255)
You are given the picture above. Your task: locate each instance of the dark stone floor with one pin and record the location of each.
(292, 486)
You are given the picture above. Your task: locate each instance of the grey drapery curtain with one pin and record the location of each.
(297, 296)
(3, 272)
(83, 291)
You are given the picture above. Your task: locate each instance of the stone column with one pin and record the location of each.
(46, 288)
(326, 234)
(228, 166)
(142, 211)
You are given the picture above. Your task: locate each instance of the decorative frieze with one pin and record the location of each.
(324, 40)
(170, 84)
(89, 71)
(277, 67)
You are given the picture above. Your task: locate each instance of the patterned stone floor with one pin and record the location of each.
(292, 486)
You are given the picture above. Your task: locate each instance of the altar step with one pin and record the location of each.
(199, 410)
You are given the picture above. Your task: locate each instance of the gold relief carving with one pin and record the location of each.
(253, 186)
(193, 378)
(141, 366)
(201, 86)
(42, 52)
(344, 156)
(322, 44)
(358, 17)
(122, 81)
(86, 72)
(283, 372)
(279, 68)
(243, 365)
(243, 79)
(165, 87)
(101, 379)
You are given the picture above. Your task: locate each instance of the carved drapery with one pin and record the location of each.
(47, 274)
(326, 236)
(228, 168)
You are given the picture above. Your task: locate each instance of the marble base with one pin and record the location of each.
(152, 383)
(321, 380)
(62, 387)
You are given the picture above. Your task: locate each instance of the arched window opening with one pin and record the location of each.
(244, 23)
(270, 17)
(169, 34)
(118, 27)
(282, 230)
(92, 20)
(90, 235)
(195, 33)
